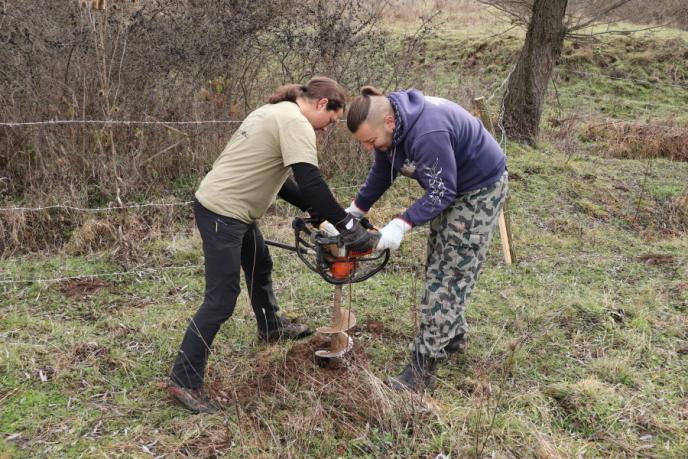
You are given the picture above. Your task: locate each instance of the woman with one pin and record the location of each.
(274, 140)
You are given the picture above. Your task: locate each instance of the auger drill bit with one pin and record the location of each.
(342, 320)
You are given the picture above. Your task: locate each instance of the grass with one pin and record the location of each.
(579, 349)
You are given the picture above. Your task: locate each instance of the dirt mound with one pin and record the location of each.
(299, 367)
(79, 288)
(375, 327)
(84, 351)
(657, 259)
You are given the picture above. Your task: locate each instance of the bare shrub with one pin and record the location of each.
(671, 12)
(162, 60)
(342, 156)
(69, 61)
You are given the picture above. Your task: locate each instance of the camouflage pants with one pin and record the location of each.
(457, 247)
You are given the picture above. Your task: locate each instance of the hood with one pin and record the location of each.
(408, 106)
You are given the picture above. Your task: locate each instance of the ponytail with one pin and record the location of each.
(360, 107)
(317, 88)
(370, 91)
(287, 93)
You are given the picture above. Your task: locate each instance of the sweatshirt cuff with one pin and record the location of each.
(363, 209)
(406, 221)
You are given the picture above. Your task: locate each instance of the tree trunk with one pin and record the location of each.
(527, 86)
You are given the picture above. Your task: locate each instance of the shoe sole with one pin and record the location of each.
(395, 384)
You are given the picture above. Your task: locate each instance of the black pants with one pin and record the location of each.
(228, 245)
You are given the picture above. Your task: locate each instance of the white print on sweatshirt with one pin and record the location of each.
(435, 185)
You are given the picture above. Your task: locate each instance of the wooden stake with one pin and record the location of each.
(479, 103)
(504, 222)
(504, 235)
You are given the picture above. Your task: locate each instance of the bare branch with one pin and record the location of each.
(615, 32)
(597, 16)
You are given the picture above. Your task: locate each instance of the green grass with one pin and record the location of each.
(576, 347)
(579, 349)
(641, 76)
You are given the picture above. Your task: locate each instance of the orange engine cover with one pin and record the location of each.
(343, 267)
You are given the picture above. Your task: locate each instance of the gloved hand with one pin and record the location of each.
(355, 211)
(392, 234)
(356, 237)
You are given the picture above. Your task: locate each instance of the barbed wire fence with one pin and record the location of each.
(502, 89)
(115, 122)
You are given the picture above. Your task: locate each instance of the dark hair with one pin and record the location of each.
(318, 87)
(360, 107)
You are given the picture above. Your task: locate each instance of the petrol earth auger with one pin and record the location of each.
(320, 246)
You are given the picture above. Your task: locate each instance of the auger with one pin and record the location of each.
(322, 251)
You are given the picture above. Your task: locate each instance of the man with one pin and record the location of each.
(272, 141)
(463, 171)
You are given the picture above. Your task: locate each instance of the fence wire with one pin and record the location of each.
(501, 88)
(115, 122)
(137, 273)
(119, 122)
(121, 207)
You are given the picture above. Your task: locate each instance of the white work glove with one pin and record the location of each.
(355, 211)
(392, 234)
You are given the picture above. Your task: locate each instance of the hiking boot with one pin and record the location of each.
(284, 331)
(456, 345)
(419, 374)
(196, 400)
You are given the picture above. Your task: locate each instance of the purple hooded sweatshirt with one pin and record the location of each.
(442, 146)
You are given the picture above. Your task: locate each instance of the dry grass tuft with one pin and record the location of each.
(121, 232)
(23, 231)
(93, 235)
(667, 216)
(677, 213)
(347, 401)
(632, 140)
(11, 229)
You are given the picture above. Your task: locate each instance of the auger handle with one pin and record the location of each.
(300, 225)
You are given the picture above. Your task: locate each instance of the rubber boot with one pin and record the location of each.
(456, 345)
(419, 374)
